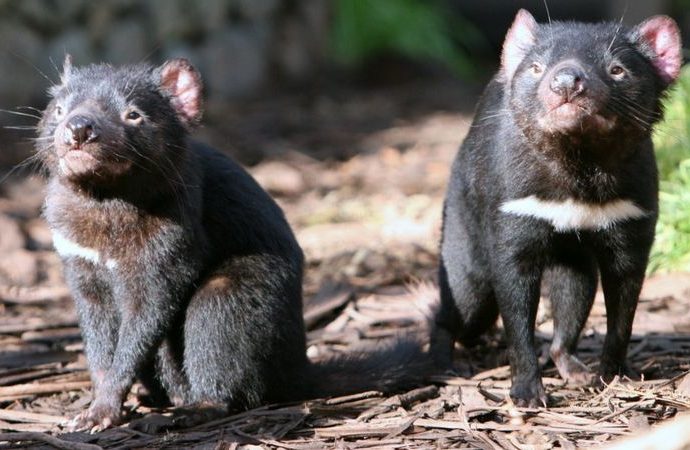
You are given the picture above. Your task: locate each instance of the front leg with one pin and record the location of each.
(623, 266)
(148, 298)
(517, 269)
(99, 320)
(518, 299)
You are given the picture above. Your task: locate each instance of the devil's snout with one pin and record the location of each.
(568, 81)
(80, 130)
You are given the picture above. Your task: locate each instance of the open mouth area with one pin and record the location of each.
(76, 162)
(572, 117)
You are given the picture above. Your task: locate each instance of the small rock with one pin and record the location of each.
(638, 423)
(40, 237)
(684, 386)
(11, 237)
(279, 178)
(19, 268)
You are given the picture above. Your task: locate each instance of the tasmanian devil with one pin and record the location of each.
(184, 272)
(556, 177)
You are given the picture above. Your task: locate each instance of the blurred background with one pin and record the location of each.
(348, 111)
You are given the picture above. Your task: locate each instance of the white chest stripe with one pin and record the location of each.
(572, 215)
(67, 248)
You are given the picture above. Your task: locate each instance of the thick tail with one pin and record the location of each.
(393, 366)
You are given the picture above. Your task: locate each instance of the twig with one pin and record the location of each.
(27, 417)
(42, 388)
(48, 439)
(28, 295)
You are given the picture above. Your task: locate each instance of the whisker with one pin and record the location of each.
(18, 127)
(637, 106)
(630, 108)
(31, 108)
(26, 163)
(27, 61)
(618, 28)
(52, 62)
(620, 110)
(548, 15)
(23, 114)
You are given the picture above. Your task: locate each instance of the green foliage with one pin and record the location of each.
(419, 29)
(672, 140)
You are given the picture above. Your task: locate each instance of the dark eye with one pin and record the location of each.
(536, 68)
(58, 111)
(617, 71)
(133, 117)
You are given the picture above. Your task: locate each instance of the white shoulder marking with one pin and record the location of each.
(572, 215)
(66, 247)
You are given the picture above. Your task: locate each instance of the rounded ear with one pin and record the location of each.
(182, 82)
(660, 36)
(519, 40)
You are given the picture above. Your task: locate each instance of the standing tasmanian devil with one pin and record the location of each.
(184, 272)
(557, 175)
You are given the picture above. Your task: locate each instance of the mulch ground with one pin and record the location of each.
(362, 184)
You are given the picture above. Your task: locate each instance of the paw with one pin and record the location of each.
(441, 349)
(152, 398)
(152, 424)
(608, 370)
(97, 418)
(197, 414)
(528, 395)
(572, 370)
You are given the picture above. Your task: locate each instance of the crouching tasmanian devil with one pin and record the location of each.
(184, 272)
(557, 175)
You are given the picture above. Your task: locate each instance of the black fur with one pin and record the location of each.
(186, 274)
(493, 262)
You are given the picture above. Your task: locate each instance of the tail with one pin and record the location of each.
(396, 365)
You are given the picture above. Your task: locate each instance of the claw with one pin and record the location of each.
(572, 370)
(95, 419)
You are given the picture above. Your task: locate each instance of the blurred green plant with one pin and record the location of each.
(418, 29)
(672, 141)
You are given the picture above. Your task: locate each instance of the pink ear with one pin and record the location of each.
(663, 37)
(182, 81)
(519, 40)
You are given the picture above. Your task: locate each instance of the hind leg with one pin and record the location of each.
(468, 306)
(244, 334)
(153, 392)
(573, 286)
(163, 374)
